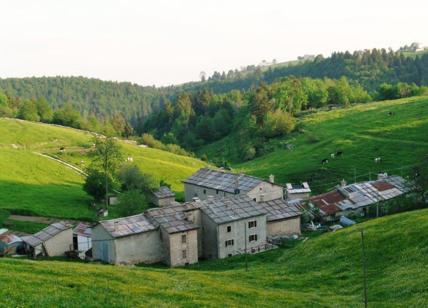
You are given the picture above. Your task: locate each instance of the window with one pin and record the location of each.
(255, 199)
(252, 238)
(216, 191)
(252, 224)
(229, 255)
(229, 243)
(183, 238)
(205, 191)
(229, 228)
(184, 254)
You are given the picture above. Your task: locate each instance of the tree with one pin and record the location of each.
(259, 103)
(132, 178)
(67, 116)
(132, 202)
(44, 110)
(106, 157)
(28, 111)
(421, 177)
(95, 184)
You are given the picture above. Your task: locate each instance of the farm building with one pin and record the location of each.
(127, 240)
(54, 240)
(82, 242)
(356, 198)
(283, 218)
(163, 196)
(207, 182)
(232, 226)
(178, 234)
(297, 191)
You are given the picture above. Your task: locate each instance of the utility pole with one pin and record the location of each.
(363, 254)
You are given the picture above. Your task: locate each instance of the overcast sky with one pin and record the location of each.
(168, 42)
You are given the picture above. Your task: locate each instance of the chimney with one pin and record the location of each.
(382, 176)
(115, 225)
(262, 197)
(272, 178)
(343, 183)
(237, 184)
(210, 198)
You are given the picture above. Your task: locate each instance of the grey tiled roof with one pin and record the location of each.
(228, 209)
(172, 218)
(223, 181)
(279, 209)
(130, 225)
(46, 234)
(163, 192)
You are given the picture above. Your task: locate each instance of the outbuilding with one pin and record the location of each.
(163, 196)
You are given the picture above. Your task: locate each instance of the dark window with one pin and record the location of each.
(205, 191)
(183, 238)
(229, 228)
(252, 224)
(216, 191)
(252, 238)
(184, 254)
(229, 255)
(229, 243)
(255, 199)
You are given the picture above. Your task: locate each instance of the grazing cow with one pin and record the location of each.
(324, 161)
(377, 160)
(339, 153)
(332, 155)
(391, 113)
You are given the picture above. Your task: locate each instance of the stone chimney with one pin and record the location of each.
(272, 178)
(210, 198)
(236, 184)
(343, 183)
(382, 176)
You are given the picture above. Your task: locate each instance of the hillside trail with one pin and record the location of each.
(80, 171)
(387, 139)
(40, 219)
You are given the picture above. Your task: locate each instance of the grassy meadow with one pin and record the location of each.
(36, 185)
(322, 271)
(362, 132)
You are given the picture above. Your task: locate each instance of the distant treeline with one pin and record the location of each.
(370, 68)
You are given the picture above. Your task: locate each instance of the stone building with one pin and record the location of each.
(54, 240)
(127, 240)
(232, 226)
(178, 234)
(163, 196)
(207, 182)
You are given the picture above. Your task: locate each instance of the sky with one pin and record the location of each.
(163, 42)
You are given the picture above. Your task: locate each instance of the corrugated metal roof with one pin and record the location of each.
(172, 218)
(279, 209)
(163, 192)
(224, 181)
(46, 234)
(130, 225)
(227, 209)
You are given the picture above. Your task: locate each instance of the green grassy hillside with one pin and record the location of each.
(38, 185)
(322, 271)
(363, 132)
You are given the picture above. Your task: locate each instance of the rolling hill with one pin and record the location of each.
(362, 132)
(37, 185)
(323, 271)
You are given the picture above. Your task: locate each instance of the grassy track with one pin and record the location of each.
(323, 271)
(32, 184)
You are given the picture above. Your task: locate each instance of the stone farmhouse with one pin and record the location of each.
(182, 234)
(162, 196)
(297, 191)
(207, 182)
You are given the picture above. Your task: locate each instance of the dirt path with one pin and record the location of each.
(40, 219)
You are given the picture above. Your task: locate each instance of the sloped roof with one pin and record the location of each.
(227, 209)
(9, 238)
(172, 218)
(83, 229)
(130, 225)
(46, 234)
(224, 181)
(279, 209)
(163, 192)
